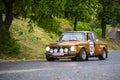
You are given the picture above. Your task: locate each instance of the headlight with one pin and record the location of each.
(61, 50)
(55, 50)
(51, 50)
(47, 48)
(72, 48)
(66, 50)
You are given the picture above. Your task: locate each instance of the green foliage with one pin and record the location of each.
(82, 26)
(109, 14)
(10, 47)
(115, 17)
(110, 11)
(53, 26)
(41, 12)
(82, 9)
(32, 44)
(95, 24)
(105, 13)
(30, 27)
(98, 31)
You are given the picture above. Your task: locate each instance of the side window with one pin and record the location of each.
(95, 37)
(90, 37)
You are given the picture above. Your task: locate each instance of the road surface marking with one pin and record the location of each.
(21, 71)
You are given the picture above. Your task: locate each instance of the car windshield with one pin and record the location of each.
(72, 36)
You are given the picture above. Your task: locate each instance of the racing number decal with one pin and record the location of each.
(91, 43)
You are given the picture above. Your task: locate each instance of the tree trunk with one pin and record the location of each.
(103, 26)
(1, 20)
(1, 29)
(5, 25)
(75, 24)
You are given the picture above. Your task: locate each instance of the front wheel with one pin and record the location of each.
(82, 55)
(103, 56)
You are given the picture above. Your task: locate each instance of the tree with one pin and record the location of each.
(115, 19)
(48, 9)
(109, 14)
(81, 10)
(38, 11)
(104, 15)
(5, 24)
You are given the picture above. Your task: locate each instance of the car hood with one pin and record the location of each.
(66, 43)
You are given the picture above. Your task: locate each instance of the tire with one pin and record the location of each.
(49, 58)
(82, 55)
(103, 56)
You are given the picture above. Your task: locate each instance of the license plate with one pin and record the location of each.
(58, 54)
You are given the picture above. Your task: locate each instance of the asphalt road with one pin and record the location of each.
(93, 69)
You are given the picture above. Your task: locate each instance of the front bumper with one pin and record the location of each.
(65, 56)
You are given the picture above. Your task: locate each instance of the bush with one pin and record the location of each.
(10, 46)
(51, 25)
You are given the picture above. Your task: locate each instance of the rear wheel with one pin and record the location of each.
(103, 56)
(82, 55)
(49, 58)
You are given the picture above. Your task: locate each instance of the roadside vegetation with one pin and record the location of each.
(31, 39)
(25, 28)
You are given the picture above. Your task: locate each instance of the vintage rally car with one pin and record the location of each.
(78, 46)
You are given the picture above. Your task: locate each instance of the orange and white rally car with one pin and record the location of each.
(78, 46)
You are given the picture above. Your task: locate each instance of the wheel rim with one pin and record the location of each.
(84, 55)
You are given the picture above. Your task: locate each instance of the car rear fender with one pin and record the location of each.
(101, 48)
